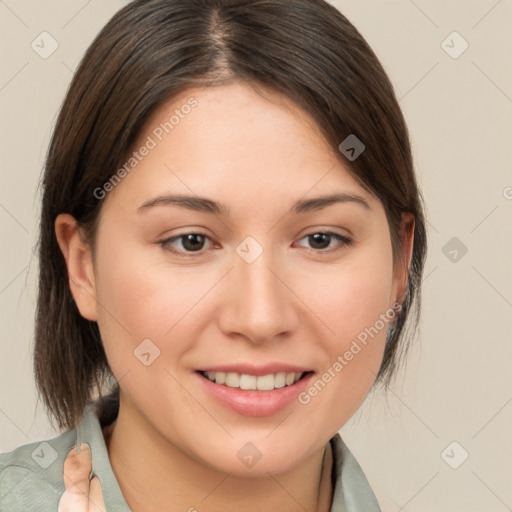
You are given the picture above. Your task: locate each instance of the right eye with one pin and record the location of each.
(191, 243)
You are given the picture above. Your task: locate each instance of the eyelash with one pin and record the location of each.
(345, 242)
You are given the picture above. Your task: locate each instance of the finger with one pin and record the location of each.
(96, 503)
(77, 468)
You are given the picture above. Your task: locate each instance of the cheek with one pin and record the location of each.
(351, 296)
(139, 299)
(356, 304)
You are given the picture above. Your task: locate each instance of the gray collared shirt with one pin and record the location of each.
(31, 476)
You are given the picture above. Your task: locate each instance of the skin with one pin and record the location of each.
(81, 494)
(173, 447)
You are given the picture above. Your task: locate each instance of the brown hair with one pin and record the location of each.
(152, 50)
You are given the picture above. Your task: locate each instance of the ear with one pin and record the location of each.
(404, 261)
(79, 265)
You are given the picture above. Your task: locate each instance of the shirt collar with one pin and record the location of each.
(352, 492)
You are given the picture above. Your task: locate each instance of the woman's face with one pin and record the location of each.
(271, 281)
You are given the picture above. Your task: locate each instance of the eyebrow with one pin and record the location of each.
(204, 204)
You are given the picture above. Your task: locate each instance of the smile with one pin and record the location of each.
(254, 395)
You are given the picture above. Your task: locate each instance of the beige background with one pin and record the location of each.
(458, 384)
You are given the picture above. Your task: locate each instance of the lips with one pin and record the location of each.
(254, 389)
(255, 402)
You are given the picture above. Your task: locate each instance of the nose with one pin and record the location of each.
(258, 302)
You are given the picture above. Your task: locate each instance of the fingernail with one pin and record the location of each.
(84, 446)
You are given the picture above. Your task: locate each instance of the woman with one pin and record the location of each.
(232, 241)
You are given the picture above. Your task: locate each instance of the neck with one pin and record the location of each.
(155, 475)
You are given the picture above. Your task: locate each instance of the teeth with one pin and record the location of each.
(290, 378)
(261, 383)
(280, 380)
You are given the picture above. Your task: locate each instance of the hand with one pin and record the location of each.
(81, 494)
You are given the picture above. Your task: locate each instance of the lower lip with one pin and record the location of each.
(254, 402)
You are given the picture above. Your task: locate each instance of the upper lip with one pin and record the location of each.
(257, 370)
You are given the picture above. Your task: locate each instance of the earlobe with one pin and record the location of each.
(78, 257)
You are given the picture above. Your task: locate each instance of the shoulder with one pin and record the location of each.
(31, 475)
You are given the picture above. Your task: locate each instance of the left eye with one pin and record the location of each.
(321, 241)
(194, 242)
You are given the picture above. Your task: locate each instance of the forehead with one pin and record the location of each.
(235, 143)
